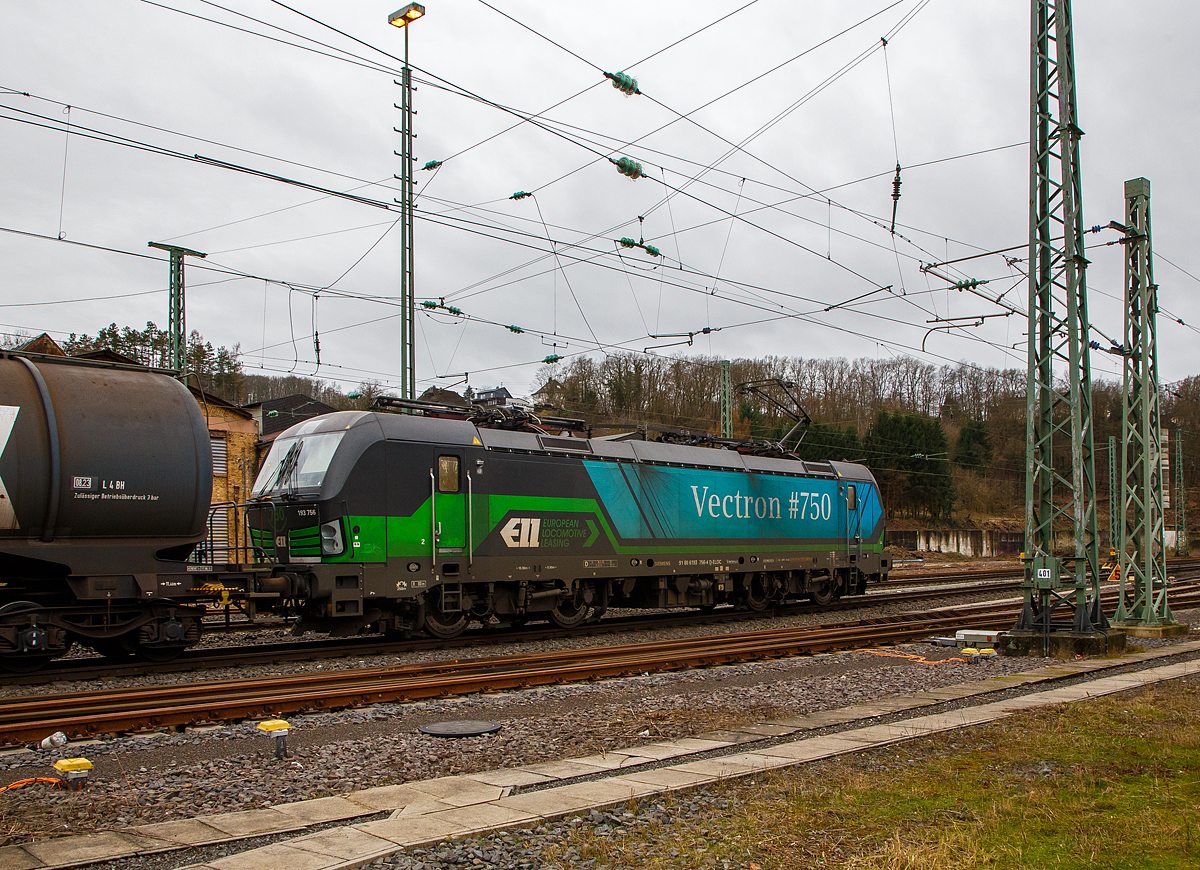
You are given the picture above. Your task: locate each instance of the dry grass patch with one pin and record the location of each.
(1111, 783)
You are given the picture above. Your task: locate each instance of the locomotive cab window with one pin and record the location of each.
(851, 498)
(448, 474)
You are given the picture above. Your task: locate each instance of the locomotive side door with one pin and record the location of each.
(449, 501)
(853, 524)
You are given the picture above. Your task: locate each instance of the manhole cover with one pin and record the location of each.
(464, 728)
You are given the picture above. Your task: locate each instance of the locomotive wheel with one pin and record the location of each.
(823, 594)
(444, 625)
(569, 614)
(756, 595)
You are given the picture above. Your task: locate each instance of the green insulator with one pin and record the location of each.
(518, 330)
(521, 194)
(432, 164)
(627, 243)
(429, 303)
(652, 251)
(453, 310)
(623, 82)
(553, 358)
(628, 167)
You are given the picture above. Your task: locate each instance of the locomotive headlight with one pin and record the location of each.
(331, 538)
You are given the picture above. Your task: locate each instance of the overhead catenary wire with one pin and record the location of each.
(271, 176)
(731, 222)
(390, 55)
(340, 193)
(290, 285)
(294, 286)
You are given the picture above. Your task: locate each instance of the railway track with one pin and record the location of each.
(89, 713)
(219, 621)
(96, 667)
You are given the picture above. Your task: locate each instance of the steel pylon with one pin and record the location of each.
(1141, 549)
(1060, 481)
(726, 400)
(1182, 546)
(177, 313)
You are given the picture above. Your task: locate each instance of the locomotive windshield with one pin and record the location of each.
(297, 462)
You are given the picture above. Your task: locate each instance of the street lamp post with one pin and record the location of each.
(402, 18)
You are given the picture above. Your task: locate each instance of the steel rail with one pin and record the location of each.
(89, 668)
(87, 713)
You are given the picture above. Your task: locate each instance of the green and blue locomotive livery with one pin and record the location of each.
(400, 522)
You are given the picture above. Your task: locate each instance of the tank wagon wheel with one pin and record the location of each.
(24, 664)
(441, 624)
(163, 640)
(27, 662)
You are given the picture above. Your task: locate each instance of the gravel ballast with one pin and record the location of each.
(155, 777)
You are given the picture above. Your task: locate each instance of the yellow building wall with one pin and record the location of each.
(240, 434)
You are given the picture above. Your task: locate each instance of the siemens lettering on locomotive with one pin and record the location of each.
(390, 522)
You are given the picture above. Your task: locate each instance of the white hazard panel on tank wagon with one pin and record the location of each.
(8, 417)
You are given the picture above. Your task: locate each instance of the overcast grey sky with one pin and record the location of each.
(958, 75)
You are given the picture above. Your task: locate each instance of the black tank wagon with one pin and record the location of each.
(105, 481)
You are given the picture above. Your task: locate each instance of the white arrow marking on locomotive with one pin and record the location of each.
(8, 417)
(511, 533)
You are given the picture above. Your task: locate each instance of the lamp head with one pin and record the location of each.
(403, 17)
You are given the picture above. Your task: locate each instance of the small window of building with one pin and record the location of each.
(219, 455)
(447, 474)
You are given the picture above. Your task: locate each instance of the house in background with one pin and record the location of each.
(42, 344)
(233, 436)
(444, 397)
(490, 398)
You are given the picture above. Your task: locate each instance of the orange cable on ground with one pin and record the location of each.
(912, 657)
(23, 782)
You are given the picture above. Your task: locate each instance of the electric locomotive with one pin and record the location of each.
(400, 522)
(377, 521)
